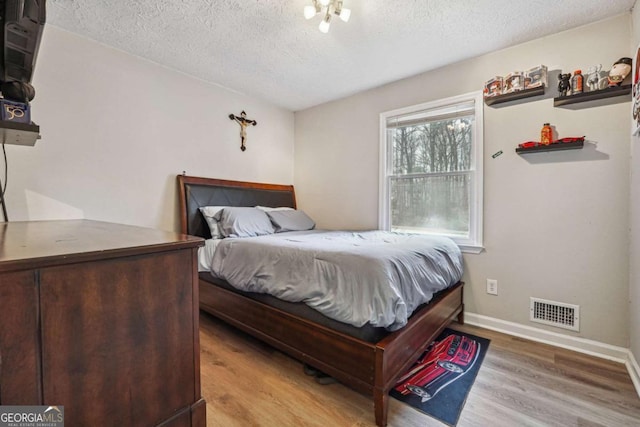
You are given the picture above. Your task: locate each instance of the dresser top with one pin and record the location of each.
(33, 244)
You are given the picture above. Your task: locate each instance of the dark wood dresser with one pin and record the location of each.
(103, 319)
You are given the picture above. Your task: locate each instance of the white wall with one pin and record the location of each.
(555, 224)
(634, 279)
(116, 129)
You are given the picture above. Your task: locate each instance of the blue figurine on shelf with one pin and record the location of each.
(564, 83)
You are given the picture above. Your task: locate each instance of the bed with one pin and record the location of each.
(368, 362)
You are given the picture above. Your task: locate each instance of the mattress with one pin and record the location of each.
(359, 278)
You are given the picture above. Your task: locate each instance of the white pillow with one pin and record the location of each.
(268, 209)
(209, 213)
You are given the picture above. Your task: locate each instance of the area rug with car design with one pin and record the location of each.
(440, 380)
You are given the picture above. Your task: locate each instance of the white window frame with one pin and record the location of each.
(474, 243)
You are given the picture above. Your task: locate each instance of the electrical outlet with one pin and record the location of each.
(492, 286)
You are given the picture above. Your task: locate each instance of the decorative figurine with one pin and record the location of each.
(243, 122)
(593, 77)
(564, 83)
(621, 69)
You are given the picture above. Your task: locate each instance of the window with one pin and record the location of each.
(431, 170)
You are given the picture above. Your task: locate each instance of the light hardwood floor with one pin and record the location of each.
(520, 383)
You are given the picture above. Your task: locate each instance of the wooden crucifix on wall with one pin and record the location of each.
(243, 122)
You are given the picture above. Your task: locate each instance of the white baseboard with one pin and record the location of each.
(581, 345)
(634, 371)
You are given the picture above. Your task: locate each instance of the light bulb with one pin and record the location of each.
(309, 12)
(324, 26)
(345, 14)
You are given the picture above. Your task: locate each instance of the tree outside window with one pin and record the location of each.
(432, 170)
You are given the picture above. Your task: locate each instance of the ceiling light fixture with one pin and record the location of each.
(330, 8)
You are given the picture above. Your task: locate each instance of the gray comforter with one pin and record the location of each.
(371, 277)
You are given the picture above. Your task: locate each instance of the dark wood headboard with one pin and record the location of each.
(195, 192)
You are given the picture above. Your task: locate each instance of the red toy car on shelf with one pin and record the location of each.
(444, 362)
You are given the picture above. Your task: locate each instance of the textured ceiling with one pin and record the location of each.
(266, 49)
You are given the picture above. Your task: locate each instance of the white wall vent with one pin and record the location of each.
(554, 313)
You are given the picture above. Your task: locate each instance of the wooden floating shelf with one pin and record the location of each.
(592, 96)
(19, 133)
(527, 93)
(551, 147)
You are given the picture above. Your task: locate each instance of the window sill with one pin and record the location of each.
(470, 249)
(466, 245)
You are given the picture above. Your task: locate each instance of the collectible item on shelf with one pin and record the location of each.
(536, 77)
(635, 93)
(577, 82)
(12, 111)
(528, 144)
(566, 140)
(546, 134)
(594, 79)
(564, 83)
(493, 87)
(620, 70)
(513, 82)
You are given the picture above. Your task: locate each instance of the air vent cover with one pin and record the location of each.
(554, 313)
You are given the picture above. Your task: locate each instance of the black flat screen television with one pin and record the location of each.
(21, 25)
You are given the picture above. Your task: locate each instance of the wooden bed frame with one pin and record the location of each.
(370, 368)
